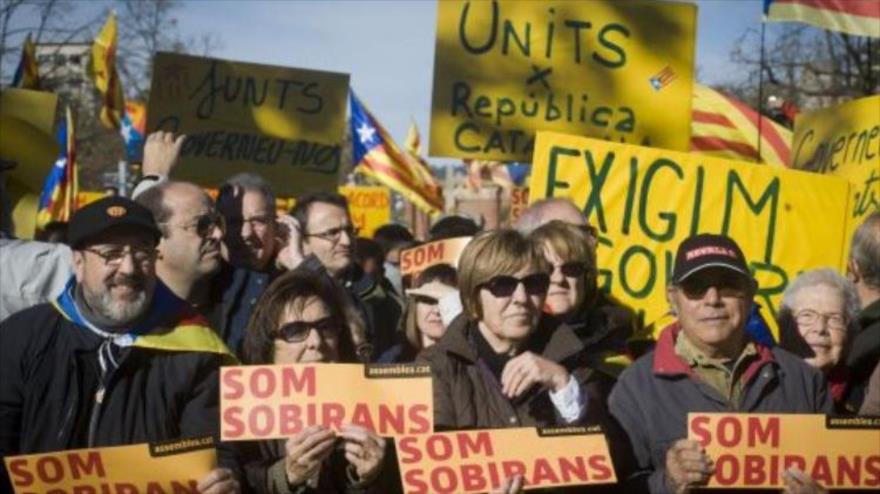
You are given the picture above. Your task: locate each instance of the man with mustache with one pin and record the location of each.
(706, 362)
(117, 358)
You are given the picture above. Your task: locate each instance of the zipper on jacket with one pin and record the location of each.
(71, 371)
(96, 413)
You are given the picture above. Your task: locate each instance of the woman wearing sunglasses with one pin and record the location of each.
(602, 326)
(500, 363)
(421, 324)
(300, 319)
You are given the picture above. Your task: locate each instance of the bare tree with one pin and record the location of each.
(809, 67)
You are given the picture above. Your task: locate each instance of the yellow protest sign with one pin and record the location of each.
(284, 123)
(645, 201)
(620, 71)
(753, 450)
(844, 141)
(27, 136)
(277, 401)
(480, 461)
(173, 466)
(424, 256)
(369, 206)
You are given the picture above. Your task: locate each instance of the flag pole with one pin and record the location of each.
(761, 89)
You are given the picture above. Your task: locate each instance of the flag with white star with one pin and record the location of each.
(58, 198)
(377, 156)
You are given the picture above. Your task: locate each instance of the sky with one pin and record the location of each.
(388, 46)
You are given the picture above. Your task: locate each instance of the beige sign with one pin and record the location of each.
(753, 450)
(277, 401)
(480, 461)
(420, 258)
(173, 466)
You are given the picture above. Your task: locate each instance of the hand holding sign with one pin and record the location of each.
(528, 369)
(511, 485)
(687, 465)
(306, 451)
(364, 450)
(219, 481)
(798, 482)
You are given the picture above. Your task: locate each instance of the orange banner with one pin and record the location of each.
(277, 401)
(420, 258)
(754, 450)
(479, 461)
(519, 201)
(172, 466)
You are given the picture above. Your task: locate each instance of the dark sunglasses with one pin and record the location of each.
(504, 286)
(206, 223)
(297, 331)
(573, 269)
(696, 287)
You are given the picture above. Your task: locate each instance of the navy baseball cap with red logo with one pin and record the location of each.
(108, 213)
(707, 250)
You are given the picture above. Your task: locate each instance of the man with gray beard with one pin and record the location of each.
(117, 358)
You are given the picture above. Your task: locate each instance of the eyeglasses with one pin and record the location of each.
(734, 287)
(334, 234)
(504, 286)
(203, 224)
(113, 257)
(573, 269)
(298, 331)
(808, 317)
(255, 222)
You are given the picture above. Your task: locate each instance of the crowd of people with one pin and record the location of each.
(116, 336)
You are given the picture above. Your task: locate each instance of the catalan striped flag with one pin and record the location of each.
(857, 17)
(59, 195)
(377, 156)
(27, 76)
(725, 127)
(106, 76)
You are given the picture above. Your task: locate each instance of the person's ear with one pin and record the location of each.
(79, 268)
(671, 300)
(852, 271)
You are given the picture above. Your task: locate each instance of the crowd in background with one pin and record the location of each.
(517, 334)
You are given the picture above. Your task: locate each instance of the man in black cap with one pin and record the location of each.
(706, 362)
(117, 358)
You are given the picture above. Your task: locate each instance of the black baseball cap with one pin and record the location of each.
(108, 213)
(705, 251)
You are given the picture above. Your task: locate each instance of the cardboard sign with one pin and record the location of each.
(480, 461)
(370, 207)
(621, 71)
(278, 401)
(173, 466)
(645, 201)
(844, 141)
(519, 201)
(285, 124)
(753, 450)
(420, 258)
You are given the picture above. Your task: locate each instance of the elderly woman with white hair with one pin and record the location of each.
(818, 312)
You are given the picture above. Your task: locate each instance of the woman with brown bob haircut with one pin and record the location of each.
(300, 318)
(500, 363)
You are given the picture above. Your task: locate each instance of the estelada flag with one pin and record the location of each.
(59, 195)
(857, 17)
(27, 76)
(134, 125)
(106, 76)
(726, 127)
(377, 156)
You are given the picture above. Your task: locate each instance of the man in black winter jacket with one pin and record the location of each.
(116, 359)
